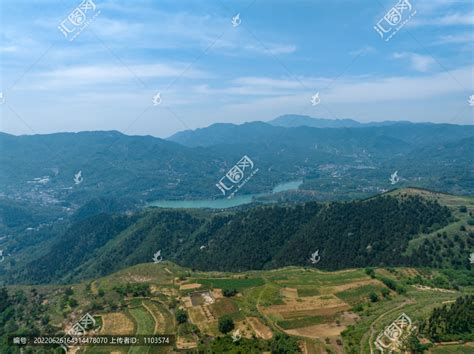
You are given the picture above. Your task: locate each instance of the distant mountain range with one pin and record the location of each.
(294, 120)
(334, 163)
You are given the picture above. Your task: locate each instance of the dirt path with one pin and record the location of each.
(372, 329)
(152, 315)
(262, 312)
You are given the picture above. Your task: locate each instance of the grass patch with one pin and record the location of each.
(452, 349)
(224, 307)
(228, 283)
(145, 325)
(358, 295)
(304, 292)
(303, 322)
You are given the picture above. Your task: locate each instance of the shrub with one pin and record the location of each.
(226, 324)
(229, 292)
(373, 297)
(181, 316)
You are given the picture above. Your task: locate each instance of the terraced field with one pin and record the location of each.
(145, 325)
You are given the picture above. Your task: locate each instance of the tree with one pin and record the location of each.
(370, 272)
(413, 345)
(226, 324)
(229, 292)
(373, 297)
(181, 316)
(385, 292)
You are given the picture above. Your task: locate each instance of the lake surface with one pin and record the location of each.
(223, 203)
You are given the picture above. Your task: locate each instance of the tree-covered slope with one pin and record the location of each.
(369, 232)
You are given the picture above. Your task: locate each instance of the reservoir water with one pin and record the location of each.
(223, 202)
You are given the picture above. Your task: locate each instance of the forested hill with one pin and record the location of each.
(451, 322)
(336, 163)
(373, 232)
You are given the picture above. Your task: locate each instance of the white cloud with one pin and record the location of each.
(8, 49)
(467, 37)
(418, 62)
(454, 19)
(104, 74)
(363, 89)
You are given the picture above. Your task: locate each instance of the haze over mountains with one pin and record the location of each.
(333, 162)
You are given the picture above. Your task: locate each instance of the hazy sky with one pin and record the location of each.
(209, 70)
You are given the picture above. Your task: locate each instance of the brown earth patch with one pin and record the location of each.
(201, 319)
(322, 305)
(139, 279)
(349, 317)
(223, 306)
(217, 293)
(187, 302)
(169, 291)
(190, 286)
(411, 272)
(427, 288)
(94, 289)
(291, 293)
(244, 328)
(319, 331)
(259, 328)
(325, 312)
(355, 284)
(117, 323)
(183, 343)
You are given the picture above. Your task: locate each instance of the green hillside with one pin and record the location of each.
(402, 228)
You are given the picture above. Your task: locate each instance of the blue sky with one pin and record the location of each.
(209, 71)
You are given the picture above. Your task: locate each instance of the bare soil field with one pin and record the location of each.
(117, 323)
(319, 331)
(190, 286)
(291, 293)
(259, 328)
(217, 293)
(323, 305)
(355, 284)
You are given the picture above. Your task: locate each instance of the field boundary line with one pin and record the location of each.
(152, 315)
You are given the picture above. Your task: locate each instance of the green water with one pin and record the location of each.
(222, 203)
